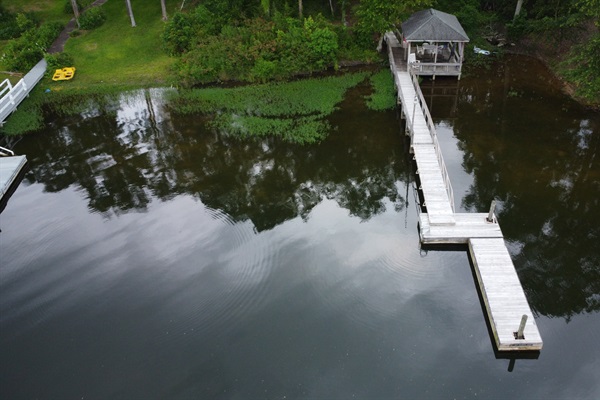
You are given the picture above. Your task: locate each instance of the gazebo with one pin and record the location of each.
(434, 43)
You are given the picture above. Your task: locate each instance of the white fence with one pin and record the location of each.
(11, 96)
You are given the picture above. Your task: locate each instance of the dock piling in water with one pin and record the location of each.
(519, 333)
(490, 217)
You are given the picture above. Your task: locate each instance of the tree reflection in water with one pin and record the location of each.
(124, 160)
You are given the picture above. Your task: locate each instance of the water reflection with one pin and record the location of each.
(536, 152)
(141, 153)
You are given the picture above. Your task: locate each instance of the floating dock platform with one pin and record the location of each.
(10, 171)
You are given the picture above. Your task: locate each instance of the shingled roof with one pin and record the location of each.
(433, 25)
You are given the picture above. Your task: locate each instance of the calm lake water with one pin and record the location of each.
(145, 256)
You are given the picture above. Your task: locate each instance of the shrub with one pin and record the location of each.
(9, 28)
(58, 60)
(23, 53)
(92, 18)
(582, 67)
(179, 33)
(263, 70)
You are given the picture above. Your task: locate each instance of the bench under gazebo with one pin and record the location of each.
(434, 43)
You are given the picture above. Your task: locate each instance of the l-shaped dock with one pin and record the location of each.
(512, 322)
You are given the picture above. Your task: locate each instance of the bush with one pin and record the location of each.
(58, 60)
(9, 28)
(23, 53)
(322, 44)
(582, 67)
(179, 33)
(92, 18)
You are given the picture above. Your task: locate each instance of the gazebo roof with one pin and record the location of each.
(433, 25)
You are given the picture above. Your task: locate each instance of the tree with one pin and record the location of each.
(130, 11)
(380, 16)
(591, 8)
(75, 11)
(300, 8)
(518, 9)
(164, 10)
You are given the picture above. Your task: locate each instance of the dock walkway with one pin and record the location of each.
(512, 322)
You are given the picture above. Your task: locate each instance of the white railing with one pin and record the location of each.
(392, 41)
(436, 68)
(11, 97)
(432, 132)
(5, 86)
(4, 152)
(14, 96)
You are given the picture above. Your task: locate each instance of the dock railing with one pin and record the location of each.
(11, 97)
(4, 152)
(432, 132)
(436, 68)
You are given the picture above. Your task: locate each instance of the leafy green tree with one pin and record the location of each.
(379, 16)
(591, 8)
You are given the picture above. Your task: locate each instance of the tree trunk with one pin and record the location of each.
(380, 44)
(518, 9)
(75, 11)
(130, 11)
(164, 10)
(300, 9)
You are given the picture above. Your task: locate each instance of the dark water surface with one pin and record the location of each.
(146, 257)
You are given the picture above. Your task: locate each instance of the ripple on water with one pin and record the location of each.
(235, 284)
(373, 280)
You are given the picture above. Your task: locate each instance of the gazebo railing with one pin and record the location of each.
(418, 67)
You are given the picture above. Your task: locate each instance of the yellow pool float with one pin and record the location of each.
(64, 74)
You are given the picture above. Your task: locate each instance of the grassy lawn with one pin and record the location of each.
(108, 59)
(45, 10)
(114, 54)
(118, 54)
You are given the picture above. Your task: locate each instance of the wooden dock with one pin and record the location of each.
(510, 317)
(10, 170)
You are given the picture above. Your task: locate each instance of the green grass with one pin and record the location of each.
(45, 10)
(117, 53)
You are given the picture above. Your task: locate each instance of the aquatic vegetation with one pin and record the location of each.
(295, 111)
(384, 94)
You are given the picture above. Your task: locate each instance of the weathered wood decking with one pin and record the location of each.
(12, 96)
(504, 298)
(10, 168)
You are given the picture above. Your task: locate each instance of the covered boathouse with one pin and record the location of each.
(434, 43)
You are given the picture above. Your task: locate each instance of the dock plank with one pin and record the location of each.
(503, 295)
(10, 167)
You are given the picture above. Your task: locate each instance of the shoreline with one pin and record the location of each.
(568, 88)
